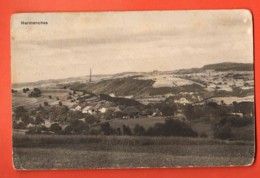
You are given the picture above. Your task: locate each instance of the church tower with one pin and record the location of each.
(90, 75)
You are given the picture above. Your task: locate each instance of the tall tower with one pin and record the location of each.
(90, 75)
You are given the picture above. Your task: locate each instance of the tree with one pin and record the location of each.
(172, 127)
(189, 111)
(90, 119)
(139, 130)
(131, 111)
(126, 130)
(68, 129)
(25, 90)
(46, 103)
(60, 103)
(105, 128)
(39, 120)
(118, 131)
(108, 115)
(23, 114)
(20, 111)
(14, 91)
(168, 110)
(35, 93)
(78, 126)
(18, 125)
(56, 128)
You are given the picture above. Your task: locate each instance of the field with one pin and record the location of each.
(230, 100)
(167, 81)
(74, 151)
(22, 99)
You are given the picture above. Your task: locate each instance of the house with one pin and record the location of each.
(82, 119)
(87, 109)
(97, 106)
(78, 108)
(73, 108)
(103, 110)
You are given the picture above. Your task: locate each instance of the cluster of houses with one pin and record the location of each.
(94, 105)
(223, 80)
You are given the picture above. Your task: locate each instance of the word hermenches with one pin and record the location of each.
(34, 23)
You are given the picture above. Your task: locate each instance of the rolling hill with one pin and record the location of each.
(225, 66)
(119, 86)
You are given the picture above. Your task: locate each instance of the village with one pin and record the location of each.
(192, 99)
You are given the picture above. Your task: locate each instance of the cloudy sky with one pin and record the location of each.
(113, 42)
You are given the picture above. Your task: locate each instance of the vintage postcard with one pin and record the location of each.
(147, 89)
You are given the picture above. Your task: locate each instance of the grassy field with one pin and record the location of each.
(82, 151)
(22, 99)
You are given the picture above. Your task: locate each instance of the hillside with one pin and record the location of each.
(120, 86)
(229, 66)
(225, 66)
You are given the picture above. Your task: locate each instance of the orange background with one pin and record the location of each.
(8, 7)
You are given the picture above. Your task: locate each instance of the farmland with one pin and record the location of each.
(67, 152)
(22, 99)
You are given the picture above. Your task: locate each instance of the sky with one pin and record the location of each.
(113, 42)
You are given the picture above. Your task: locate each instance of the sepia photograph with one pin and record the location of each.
(132, 89)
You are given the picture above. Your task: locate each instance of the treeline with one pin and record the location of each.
(212, 110)
(120, 101)
(171, 127)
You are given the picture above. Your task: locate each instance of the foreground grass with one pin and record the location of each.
(41, 140)
(68, 152)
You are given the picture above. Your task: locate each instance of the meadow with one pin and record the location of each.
(22, 99)
(85, 151)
